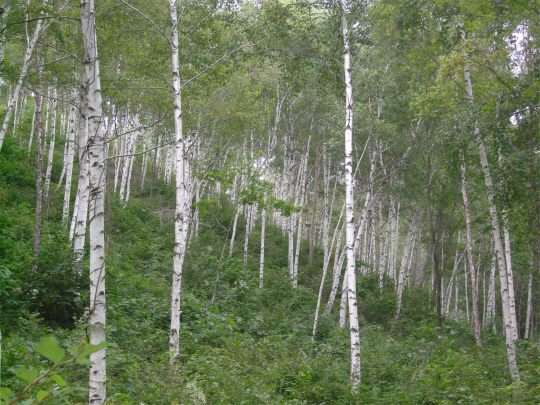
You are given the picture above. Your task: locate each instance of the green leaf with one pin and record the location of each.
(58, 380)
(5, 392)
(87, 350)
(49, 348)
(42, 395)
(27, 375)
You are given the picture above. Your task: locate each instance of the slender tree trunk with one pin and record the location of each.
(349, 203)
(476, 316)
(405, 258)
(302, 191)
(182, 198)
(52, 140)
(32, 128)
(491, 289)
(24, 69)
(325, 271)
(394, 246)
(231, 248)
(510, 277)
(39, 170)
(82, 191)
(70, 153)
(314, 209)
(131, 158)
(529, 308)
(510, 345)
(4, 12)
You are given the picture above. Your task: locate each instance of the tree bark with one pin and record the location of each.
(314, 209)
(474, 282)
(405, 258)
(70, 153)
(24, 69)
(349, 203)
(39, 171)
(181, 223)
(529, 308)
(51, 144)
(496, 231)
(92, 110)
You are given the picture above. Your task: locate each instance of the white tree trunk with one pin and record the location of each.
(81, 218)
(496, 231)
(405, 258)
(24, 69)
(70, 154)
(529, 308)
(234, 230)
(349, 203)
(181, 223)
(476, 316)
(51, 144)
(510, 277)
(393, 248)
(490, 312)
(302, 191)
(3, 22)
(32, 129)
(131, 159)
(92, 109)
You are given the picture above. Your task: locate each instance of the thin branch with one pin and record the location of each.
(197, 26)
(217, 61)
(148, 19)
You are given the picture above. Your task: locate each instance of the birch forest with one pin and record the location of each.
(269, 202)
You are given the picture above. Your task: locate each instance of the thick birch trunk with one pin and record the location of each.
(510, 345)
(92, 109)
(182, 198)
(349, 203)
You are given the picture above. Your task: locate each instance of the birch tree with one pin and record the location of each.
(349, 202)
(474, 282)
(496, 231)
(40, 27)
(92, 111)
(181, 220)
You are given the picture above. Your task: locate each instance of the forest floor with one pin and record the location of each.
(251, 346)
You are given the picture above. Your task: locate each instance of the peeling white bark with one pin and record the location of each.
(92, 110)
